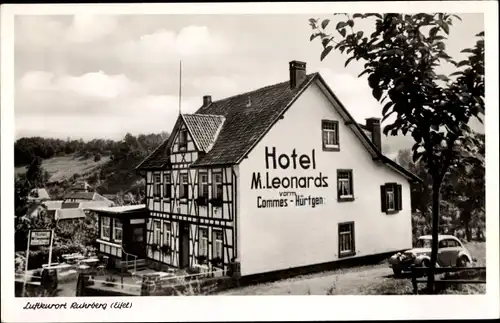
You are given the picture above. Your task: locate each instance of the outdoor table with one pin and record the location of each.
(83, 268)
(91, 261)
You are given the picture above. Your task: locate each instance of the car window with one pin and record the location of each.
(443, 243)
(453, 243)
(423, 243)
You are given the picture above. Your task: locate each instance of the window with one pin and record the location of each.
(448, 243)
(167, 185)
(203, 242)
(203, 185)
(157, 186)
(330, 131)
(105, 227)
(346, 239)
(157, 232)
(217, 251)
(391, 198)
(389, 195)
(184, 185)
(167, 233)
(217, 185)
(117, 230)
(183, 139)
(344, 185)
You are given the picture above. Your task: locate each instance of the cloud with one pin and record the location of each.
(88, 28)
(164, 46)
(66, 94)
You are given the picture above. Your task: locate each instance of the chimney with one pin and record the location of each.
(207, 99)
(297, 73)
(373, 125)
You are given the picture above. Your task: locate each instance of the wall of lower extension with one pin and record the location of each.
(289, 214)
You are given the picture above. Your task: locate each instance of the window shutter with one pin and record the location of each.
(383, 198)
(399, 198)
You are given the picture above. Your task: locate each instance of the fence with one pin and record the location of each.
(418, 272)
(155, 284)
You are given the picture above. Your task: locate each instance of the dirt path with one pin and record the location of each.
(341, 282)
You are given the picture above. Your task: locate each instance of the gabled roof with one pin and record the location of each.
(203, 128)
(39, 194)
(66, 214)
(79, 195)
(248, 118)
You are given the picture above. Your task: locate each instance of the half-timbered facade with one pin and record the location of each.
(273, 178)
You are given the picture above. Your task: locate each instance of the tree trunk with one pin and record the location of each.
(436, 186)
(468, 232)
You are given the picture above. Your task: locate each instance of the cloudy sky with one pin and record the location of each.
(103, 76)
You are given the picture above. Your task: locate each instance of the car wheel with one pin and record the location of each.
(425, 263)
(463, 262)
(397, 272)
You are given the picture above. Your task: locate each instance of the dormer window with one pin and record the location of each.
(330, 131)
(183, 140)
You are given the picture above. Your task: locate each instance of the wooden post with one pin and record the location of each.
(26, 263)
(50, 247)
(414, 280)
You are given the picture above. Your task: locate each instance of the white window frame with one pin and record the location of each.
(349, 236)
(330, 137)
(117, 226)
(183, 183)
(390, 193)
(345, 183)
(203, 184)
(216, 183)
(156, 185)
(203, 248)
(167, 182)
(157, 232)
(167, 233)
(108, 226)
(218, 244)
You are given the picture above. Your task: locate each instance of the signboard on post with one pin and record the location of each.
(40, 237)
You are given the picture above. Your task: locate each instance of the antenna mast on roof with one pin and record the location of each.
(180, 85)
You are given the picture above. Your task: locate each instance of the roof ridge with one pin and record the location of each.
(256, 90)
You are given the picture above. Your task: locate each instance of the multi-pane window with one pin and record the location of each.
(117, 230)
(183, 135)
(167, 233)
(391, 197)
(217, 185)
(167, 185)
(184, 186)
(157, 185)
(330, 131)
(344, 185)
(203, 185)
(157, 232)
(217, 244)
(203, 247)
(106, 227)
(346, 239)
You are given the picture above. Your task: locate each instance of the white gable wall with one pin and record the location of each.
(285, 237)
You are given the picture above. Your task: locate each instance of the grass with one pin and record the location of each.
(375, 279)
(391, 286)
(64, 167)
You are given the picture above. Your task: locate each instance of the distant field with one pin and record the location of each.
(65, 167)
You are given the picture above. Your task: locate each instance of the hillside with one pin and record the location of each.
(65, 167)
(107, 165)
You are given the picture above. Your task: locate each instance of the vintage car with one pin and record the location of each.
(451, 252)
